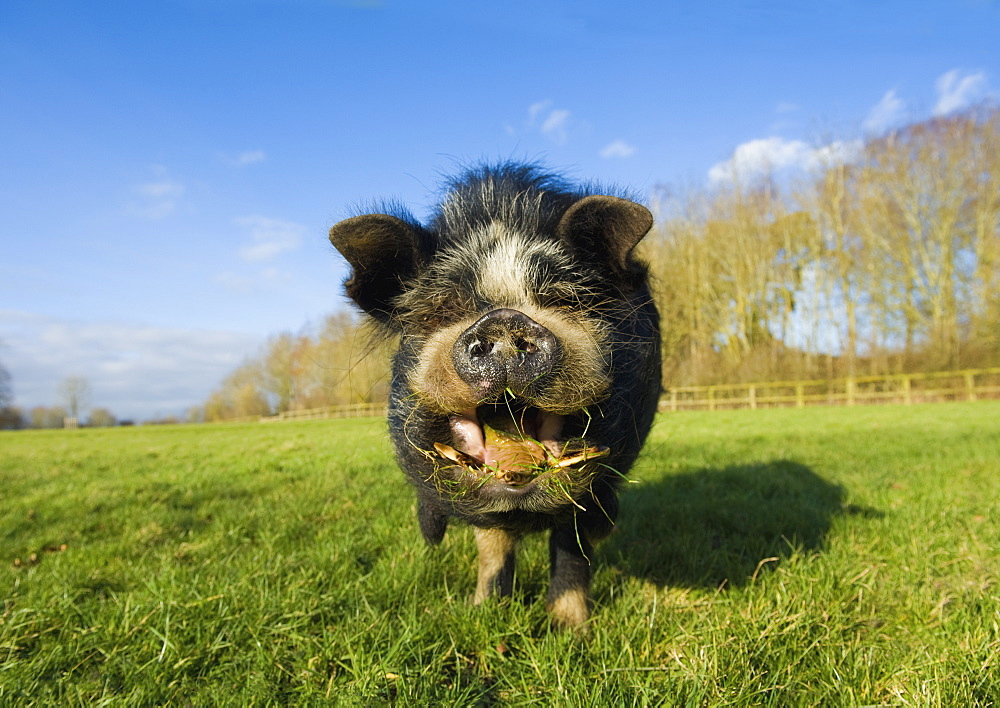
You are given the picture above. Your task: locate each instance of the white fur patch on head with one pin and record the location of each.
(506, 276)
(503, 276)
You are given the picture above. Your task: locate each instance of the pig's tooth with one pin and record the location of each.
(456, 456)
(511, 477)
(447, 451)
(550, 427)
(588, 454)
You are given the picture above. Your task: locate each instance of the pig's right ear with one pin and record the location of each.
(382, 251)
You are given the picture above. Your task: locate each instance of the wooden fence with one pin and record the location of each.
(351, 410)
(967, 385)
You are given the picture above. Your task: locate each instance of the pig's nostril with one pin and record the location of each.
(523, 346)
(479, 349)
(506, 350)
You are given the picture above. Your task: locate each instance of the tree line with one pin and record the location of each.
(73, 390)
(340, 363)
(886, 262)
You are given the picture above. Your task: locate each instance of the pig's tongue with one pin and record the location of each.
(467, 434)
(499, 449)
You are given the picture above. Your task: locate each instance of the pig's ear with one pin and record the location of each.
(604, 227)
(382, 251)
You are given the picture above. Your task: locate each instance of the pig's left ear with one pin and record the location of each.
(605, 227)
(382, 251)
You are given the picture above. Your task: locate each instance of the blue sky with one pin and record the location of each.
(168, 170)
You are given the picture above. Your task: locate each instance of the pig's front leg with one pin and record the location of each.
(496, 563)
(569, 553)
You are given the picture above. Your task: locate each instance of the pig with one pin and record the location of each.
(527, 372)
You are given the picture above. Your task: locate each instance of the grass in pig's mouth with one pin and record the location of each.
(513, 444)
(546, 485)
(510, 455)
(522, 473)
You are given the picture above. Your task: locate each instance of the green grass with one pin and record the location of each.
(827, 556)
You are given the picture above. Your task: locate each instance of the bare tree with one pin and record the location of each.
(928, 207)
(11, 418)
(75, 392)
(281, 370)
(985, 226)
(6, 392)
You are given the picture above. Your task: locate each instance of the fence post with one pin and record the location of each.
(753, 397)
(850, 390)
(970, 385)
(673, 401)
(711, 398)
(907, 391)
(800, 399)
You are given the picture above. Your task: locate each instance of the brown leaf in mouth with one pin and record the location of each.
(512, 450)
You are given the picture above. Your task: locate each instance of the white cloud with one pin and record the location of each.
(535, 109)
(956, 91)
(270, 237)
(768, 155)
(786, 107)
(555, 125)
(890, 110)
(552, 122)
(617, 148)
(160, 190)
(258, 282)
(137, 371)
(759, 156)
(836, 153)
(156, 200)
(247, 157)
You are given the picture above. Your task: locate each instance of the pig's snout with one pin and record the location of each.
(506, 350)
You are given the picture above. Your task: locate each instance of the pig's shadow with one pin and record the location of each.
(714, 527)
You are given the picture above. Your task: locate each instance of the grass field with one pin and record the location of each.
(823, 556)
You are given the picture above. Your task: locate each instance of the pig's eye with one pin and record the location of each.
(437, 312)
(561, 297)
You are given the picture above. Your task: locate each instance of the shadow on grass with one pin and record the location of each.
(714, 527)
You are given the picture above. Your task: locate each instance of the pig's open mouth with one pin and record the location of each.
(514, 445)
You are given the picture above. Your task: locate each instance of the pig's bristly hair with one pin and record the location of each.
(525, 197)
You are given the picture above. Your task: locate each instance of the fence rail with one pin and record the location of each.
(966, 385)
(351, 410)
